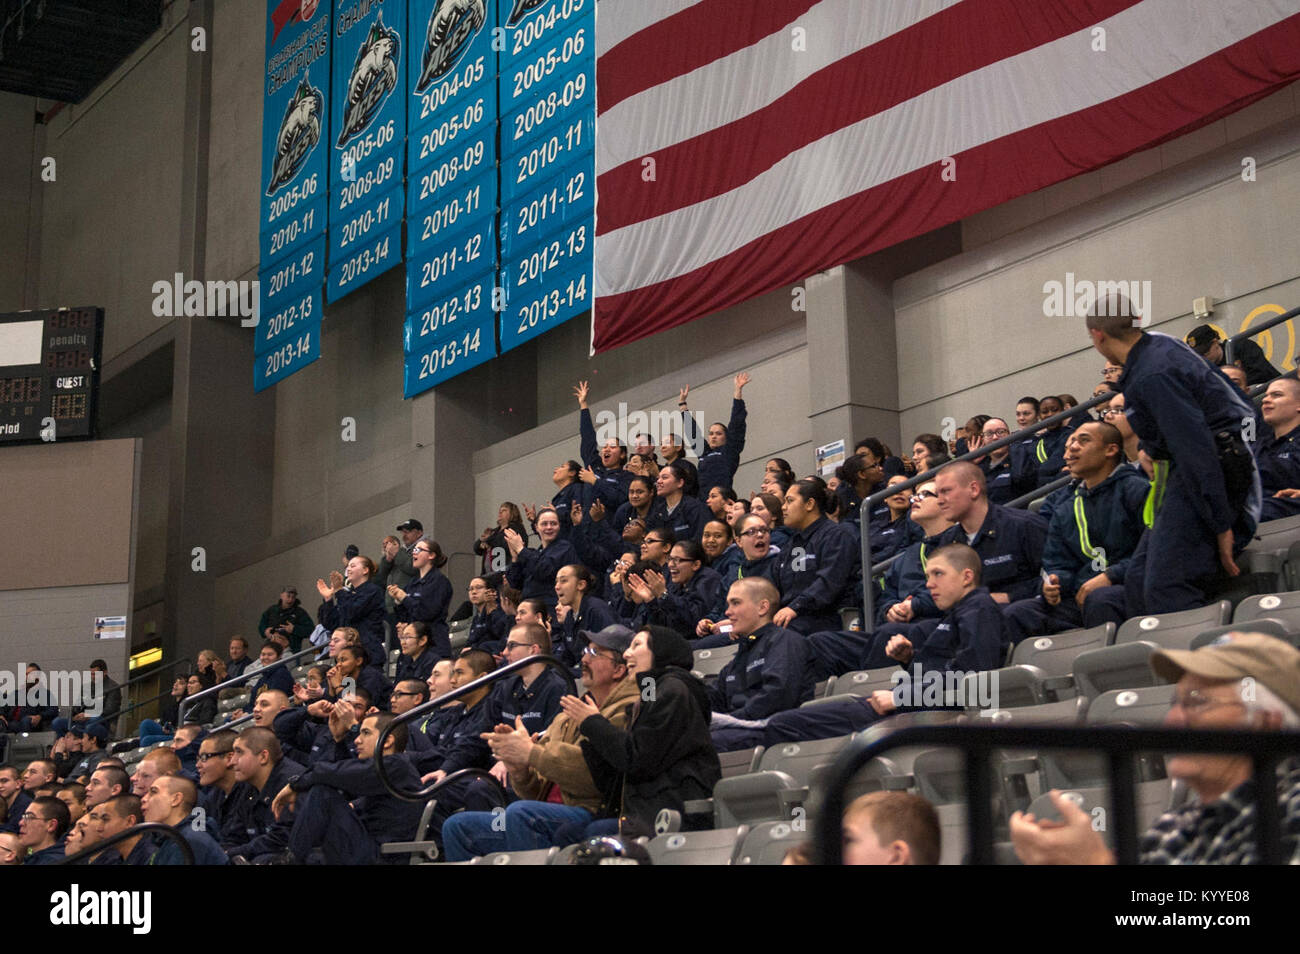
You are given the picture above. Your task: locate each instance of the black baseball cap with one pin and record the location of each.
(1201, 337)
(615, 637)
(411, 524)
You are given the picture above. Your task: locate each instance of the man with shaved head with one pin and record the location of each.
(1278, 454)
(170, 800)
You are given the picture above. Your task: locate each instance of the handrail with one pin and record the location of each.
(1231, 340)
(410, 715)
(144, 828)
(1120, 745)
(237, 680)
(864, 509)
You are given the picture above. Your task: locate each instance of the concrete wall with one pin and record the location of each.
(53, 627)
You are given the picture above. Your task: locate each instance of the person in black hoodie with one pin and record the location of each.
(665, 758)
(427, 597)
(360, 605)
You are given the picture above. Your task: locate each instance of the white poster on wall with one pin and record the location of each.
(830, 456)
(110, 627)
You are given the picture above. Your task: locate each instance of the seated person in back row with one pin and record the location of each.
(970, 638)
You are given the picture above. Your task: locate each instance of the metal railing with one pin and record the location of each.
(865, 508)
(1229, 344)
(1121, 746)
(424, 708)
(187, 702)
(144, 828)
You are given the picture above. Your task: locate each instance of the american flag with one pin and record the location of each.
(743, 145)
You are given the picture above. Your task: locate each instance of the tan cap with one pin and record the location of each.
(1272, 661)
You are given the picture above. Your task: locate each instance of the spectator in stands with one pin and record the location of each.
(644, 465)
(417, 658)
(891, 828)
(604, 467)
(110, 700)
(769, 672)
(107, 781)
(1205, 488)
(239, 659)
(533, 571)
(719, 456)
(1236, 375)
(541, 769)
(219, 789)
(774, 484)
(12, 850)
(1089, 543)
(924, 447)
(491, 544)
(1000, 478)
(351, 665)
(769, 507)
(427, 597)
(92, 740)
(897, 532)
(718, 499)
(73, 794)
(254, 831)
(816, 573)
(394, 569)
(1241, 681)
(13, 800)
(360, 605)
(1049, 448)
(34, 716)
(346, 812)
(970, 638)
(41, 831)
(693, 593)
(1114, 415)
(582, 611)
(1278, 454)
(721, 552)
(287, 619)
(569, 490)
(156, 763)
(489, 624)
(171, 800)
(1247, 355)
(665, 757)
(114, 817)
(676, 508)
(860, 480)
(185, 743)
(533, 694)
(273, 674)
(38, 774)
(204, 710)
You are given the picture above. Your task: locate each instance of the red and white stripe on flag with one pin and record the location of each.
(742, 146)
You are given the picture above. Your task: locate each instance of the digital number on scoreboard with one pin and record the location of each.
(49, 373)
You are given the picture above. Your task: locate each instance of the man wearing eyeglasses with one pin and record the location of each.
(1241, 681)
(999, 478)
(219, 790)
(13, 800)
(41, 831)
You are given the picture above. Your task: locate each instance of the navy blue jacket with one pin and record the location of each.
(459, 738)
(686, 522)
(205, 847)
(15, 814)
(906, 577)
(625, 513)
(682, 607)
(1112, 517)
(817, 572)
(893, 538)
(1002, 482)
(727, 561)
(593, 615)
(52, 855)
(1175, 403)
(768, 567)
(376, 683)
(421, 667)
(537, 704)
(364, 610)
(768, 674)
(970, 638)
(611, 483)
(533, 572)
(487, 631)
(427, 600)
(1010, 546)
(598, 543)
(253, 829)
(218, 807)
(563, 500)
(1278, 459)
(1049, 454)
(306, 740)
(717, 466)
(384, 816)
(274, 676)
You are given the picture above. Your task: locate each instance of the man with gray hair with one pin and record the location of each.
(1241, 681)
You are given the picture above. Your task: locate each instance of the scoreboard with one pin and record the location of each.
(49, 373)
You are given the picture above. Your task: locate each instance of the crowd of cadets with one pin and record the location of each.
(644, 555)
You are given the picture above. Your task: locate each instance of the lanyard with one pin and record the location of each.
(1081, 521)
(1156, 495)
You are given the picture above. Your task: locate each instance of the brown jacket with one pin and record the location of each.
(558, 756)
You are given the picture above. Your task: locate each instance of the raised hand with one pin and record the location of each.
(575, 513)
(740, 381)
(597, 511)
(681, 395)
(581, 392)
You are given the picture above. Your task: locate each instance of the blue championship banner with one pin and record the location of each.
(367, 138)
(295, 201)
(547, 90)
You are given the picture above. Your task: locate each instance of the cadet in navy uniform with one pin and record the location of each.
(533, 694)
(489, 624)
(427, 597)
(605, 470)
(1089, 541)
(817, 571)
(1278, 454)
(254, 831)
(360, 605)
(898, 532)
(677, 508)
(720, 458)
(417, 657)
(970, 638)
(533, 571)
(693, 591)
(582, 611)
(347, 812)
(171, 800)
(1001, 480)
(571, 490)
(1049, 448)
(769, 672)
(1205, 493)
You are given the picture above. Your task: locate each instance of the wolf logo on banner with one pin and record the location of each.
(452, 28)
(299, 133)
(374, 76)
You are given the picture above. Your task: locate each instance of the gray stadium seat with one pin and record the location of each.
(25, 746)
(1054, 656)
(779, 785)
(1284, 607)
(1122, 666)
(1276, 534)
(767, 843)
(738, 763)
(1138, 707)
(1267, 625)
(696, 847)
(1174, 630)
(1065, 712)
(863, 682)
(1154, 798)
(1005, 688)
(539, 856)
(710, 662)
